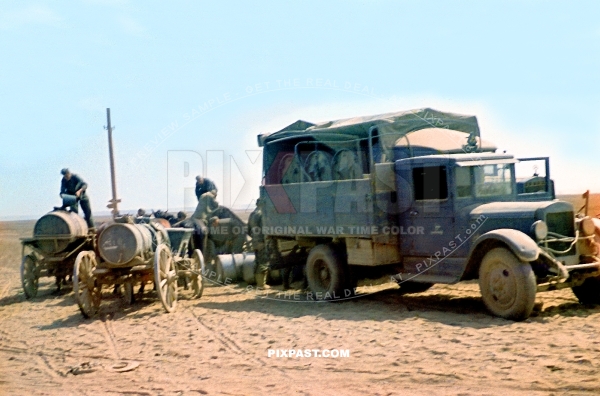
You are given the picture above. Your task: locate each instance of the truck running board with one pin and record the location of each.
(425, 278)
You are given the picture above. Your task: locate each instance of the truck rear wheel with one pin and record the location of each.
(325, 271)
(589, 291)
(507, 285)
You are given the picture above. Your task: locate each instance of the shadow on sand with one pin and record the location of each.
(389, 304)
(383, 305)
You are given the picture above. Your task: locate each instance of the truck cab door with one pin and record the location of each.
(430, 221)
(427, 223)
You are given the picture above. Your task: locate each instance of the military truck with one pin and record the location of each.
(420, 196)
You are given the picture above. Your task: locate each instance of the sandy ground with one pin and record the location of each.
(439, 342)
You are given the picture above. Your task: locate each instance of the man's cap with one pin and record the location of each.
(64, 171)
(198, 177)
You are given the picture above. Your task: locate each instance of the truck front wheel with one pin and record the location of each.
(325, 271)
(507, 285)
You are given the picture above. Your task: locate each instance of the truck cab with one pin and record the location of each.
(456, 199)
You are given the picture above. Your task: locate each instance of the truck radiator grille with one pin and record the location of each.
(563, 224)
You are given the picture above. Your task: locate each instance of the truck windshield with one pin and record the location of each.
(486, 180)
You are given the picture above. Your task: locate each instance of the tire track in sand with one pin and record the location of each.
(109, 334)
(4, 291)
(223, 339)
(9, 312)
(230, 344)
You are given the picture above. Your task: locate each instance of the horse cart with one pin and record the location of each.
(130, 254)
(58, 237)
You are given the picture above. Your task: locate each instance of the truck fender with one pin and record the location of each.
(518, 242)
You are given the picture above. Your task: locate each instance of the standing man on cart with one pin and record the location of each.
(204, 185)
(74, 185)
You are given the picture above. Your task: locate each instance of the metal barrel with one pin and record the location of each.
(226, 268)
(120, 243)
(248, 269)
(59, 223)
(240, 259)
(231, 266)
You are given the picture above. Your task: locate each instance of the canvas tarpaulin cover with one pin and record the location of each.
(395, 135)
(393, 125)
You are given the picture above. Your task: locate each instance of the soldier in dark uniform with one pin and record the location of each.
(258, 245)
(72, 184)
(200, 220)
(204, 185)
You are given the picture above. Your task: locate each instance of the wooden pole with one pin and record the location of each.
(114, 202)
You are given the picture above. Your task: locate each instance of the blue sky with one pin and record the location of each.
(195, 82)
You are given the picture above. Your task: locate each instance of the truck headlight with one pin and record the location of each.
(540, 230)
(587, 226)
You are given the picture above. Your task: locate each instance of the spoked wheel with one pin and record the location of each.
(85, 286)
(129, 296)
(196, 280)
(507, 285)
(165, 277)
(30, 278)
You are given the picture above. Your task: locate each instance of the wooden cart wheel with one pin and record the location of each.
(85, 286)
(129, 296)
(196, 279)
(165, 277)
(30, 278)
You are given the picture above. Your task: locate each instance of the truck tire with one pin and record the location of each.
(507, 285)
(589, 291)
(325, 271)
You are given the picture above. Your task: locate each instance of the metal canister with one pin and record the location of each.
(69, 200)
